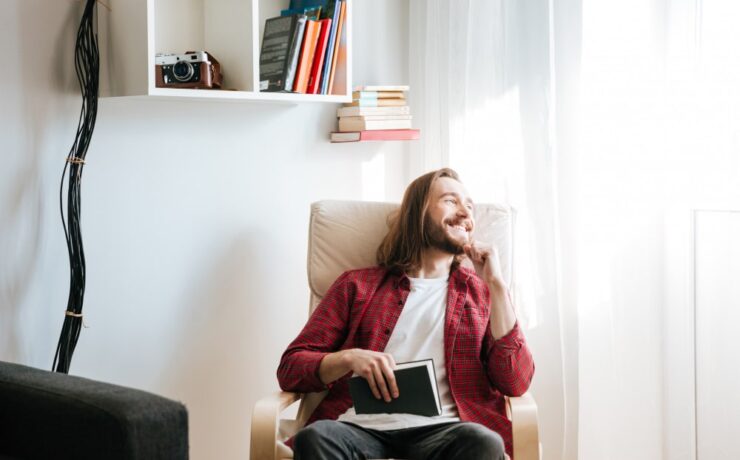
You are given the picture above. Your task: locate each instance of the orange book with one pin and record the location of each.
(314, 79)
(337, 48)
(308, 48)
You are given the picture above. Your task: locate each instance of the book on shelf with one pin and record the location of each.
(349, 124)
(376, 135)
(376, 103)
(332, 10)
(308, 48)
(314, 78)
(339, 46)
(360, 111)
(281, 44)
(382, 88)
(376, 117)
(417, 392)
(312, 12)
(378, 95)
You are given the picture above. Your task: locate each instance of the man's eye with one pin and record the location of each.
(450, 200)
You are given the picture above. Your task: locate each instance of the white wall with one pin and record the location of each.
(194, 220)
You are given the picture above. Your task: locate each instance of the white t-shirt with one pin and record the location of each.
(419, 334)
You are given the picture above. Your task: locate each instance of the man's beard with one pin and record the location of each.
(439, 239)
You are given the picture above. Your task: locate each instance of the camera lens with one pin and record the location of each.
(182, 71)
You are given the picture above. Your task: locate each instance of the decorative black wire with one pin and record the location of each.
(87, 68)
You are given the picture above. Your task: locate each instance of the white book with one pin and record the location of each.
(377, 117)
(382, 88)
(363, 111)
(367, 125)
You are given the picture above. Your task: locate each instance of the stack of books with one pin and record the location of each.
(301, 47)
(375, 113)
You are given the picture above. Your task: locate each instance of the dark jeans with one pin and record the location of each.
(328, 439)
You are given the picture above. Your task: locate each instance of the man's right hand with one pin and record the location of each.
(373, 366)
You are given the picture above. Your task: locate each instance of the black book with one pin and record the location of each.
(417, 387)
(281, 45)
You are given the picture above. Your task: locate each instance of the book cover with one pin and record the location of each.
(311, 12)
(378, 95)
(417, 387)
(379, 135)
(279, 53)
(376, 103)
(377, 117)
(314, 78)
(382, 88)
(299, 4)
(364, 111)
(308, 48)
(340, 46)
(332, 12)
(346, 124)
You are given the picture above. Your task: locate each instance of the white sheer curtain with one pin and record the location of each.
(650, 105)
(658, 131)
(481, 92)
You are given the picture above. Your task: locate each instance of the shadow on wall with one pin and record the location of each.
(39, 86)
(223, 361)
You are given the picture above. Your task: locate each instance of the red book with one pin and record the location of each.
(314, 79)
(376, 135)
(306, 58)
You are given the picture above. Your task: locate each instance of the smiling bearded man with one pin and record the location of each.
(418, 303)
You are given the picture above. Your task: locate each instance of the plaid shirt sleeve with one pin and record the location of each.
(324, 333)
(509, 362)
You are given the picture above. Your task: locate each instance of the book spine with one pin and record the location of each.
(338, 46)
(306, 58)
(295, 48)
(390, 135)
(333, 8)
(318, 61)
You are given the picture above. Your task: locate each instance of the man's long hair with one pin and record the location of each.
(408, 235)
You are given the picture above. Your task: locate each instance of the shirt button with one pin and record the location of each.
(387, 331)
(400, 302)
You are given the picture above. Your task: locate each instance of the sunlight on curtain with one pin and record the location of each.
(658, 129)
(481, 93)
(492, 167)
(621, 159)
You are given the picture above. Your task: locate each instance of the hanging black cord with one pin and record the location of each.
(87, 68)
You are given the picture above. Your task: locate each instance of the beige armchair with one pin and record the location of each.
(344, 235)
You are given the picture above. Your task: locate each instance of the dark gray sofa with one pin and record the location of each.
(46, 415)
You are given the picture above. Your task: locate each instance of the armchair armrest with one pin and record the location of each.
(266, 422)
(523, 414)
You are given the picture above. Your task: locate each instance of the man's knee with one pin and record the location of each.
(310, 441)
(479, 442)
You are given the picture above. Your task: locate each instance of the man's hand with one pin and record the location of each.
(488, 266)
(486, 262)
(375, 367)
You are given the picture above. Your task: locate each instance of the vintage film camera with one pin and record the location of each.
(194, 69)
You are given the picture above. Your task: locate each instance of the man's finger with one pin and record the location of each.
(380, 381)
(373, 386)
(390, 378)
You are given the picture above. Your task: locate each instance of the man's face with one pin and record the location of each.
(449, 219)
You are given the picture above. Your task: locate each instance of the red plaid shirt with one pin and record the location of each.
(361, 309)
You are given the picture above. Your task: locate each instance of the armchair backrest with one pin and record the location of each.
(345, 235)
